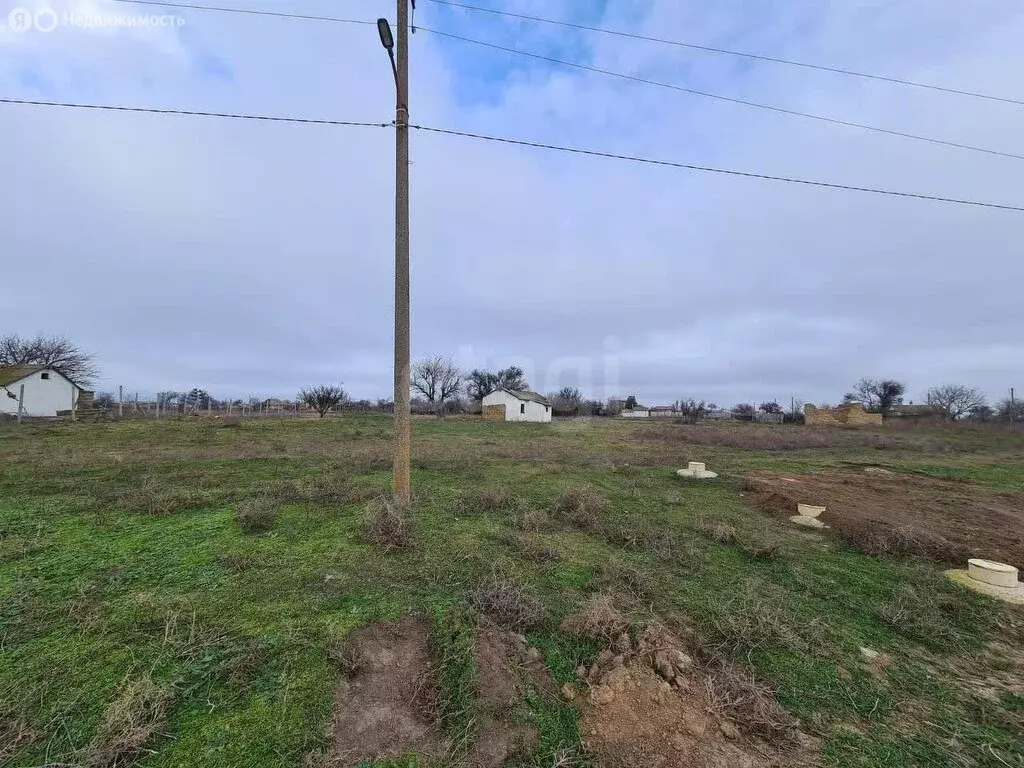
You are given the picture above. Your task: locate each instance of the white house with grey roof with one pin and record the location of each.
(516, 405)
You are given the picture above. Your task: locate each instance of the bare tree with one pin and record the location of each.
(1010, 410)
(55, 352)
(104, 401)
(437, 379)
(480, 383)
(954, 400)
(795, 414)
(692, 410)
(566, 402)
(880, 395)
(770, 407)
(744, 412)
(322, 398)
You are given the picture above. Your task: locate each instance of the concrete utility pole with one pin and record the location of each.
(403, 425)
(120, 400)
(21, 401)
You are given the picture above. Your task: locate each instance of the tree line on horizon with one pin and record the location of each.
(440, 386)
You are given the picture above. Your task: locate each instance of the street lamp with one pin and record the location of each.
(384, 30)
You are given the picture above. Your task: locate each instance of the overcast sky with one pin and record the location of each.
(255, 258)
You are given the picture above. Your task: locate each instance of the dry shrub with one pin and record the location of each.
(487, 499)
(153, 499)
(135, 716)
(934, 617)
(237, 561)
(625, 579)
(762, 550)
(582, 508)
(534, 520)
(256, 515)
(344, 655)
(723, 533)
(15, 734)
(330, 488)
(242, 663)
(599, 619)
(908, 541)
(504, 598)
(750, 620)
(735, 693)
(388, 525)
(533, 547)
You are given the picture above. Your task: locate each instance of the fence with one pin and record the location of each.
(126, 404)
(665, 413)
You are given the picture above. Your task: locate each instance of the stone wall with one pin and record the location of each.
(852, 415)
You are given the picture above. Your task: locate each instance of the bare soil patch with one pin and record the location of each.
(651, 703)
(892, 514)
(385, 706)
(504, 667)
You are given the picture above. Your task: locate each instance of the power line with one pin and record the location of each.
(720, 97)
(608, 72)
(712, 49)
(156, 111)
(708, 169)
(251, 12)
(518, 142)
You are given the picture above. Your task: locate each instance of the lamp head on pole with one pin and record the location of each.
(384, 30)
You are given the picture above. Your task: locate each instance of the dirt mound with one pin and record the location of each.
(385, 704)
(504, 666)
(651, 703)
(892, 514)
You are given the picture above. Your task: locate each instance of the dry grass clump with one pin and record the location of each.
(626, 580)
(345, 656)
(534, 547)
(153, 498)
(329, 488)
(243, 662)
(733, 692)
(137, 714)
(487, 499)
(236, 561)
(762, 550)
(388, 525)
(15, 734)
(751, 620)
(908, 541)
(723, 533)
(582, 508)
(534, 520)
(934, 617)
(599, 619)
(504, 599)
(256, 515)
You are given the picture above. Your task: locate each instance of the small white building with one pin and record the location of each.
(516, 405)
(46, 390)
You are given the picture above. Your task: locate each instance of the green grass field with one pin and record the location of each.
(125, 580)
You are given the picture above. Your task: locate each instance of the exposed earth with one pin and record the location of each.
(973, 521)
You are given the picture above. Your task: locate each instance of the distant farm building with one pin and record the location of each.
(845, 415)
(516, 405)
(46, 391)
